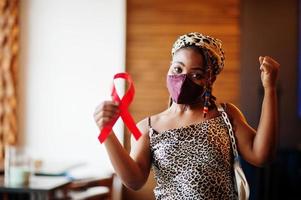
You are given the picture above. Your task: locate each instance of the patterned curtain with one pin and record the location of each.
(9, 48)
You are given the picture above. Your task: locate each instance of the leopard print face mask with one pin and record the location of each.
(211, 47)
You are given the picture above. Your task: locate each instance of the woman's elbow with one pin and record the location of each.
(262, 161)
(259, 163)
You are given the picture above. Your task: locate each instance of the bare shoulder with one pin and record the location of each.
(143, 125)
(154, 119)
(234, 112)
(140, 145)
(242, 129)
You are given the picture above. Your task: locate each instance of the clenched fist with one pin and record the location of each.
(269, 71)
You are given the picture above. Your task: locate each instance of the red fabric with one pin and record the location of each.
(123, 107)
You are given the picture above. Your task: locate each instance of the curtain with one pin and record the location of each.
(9, 47)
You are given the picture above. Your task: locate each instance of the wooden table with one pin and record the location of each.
(39, 187)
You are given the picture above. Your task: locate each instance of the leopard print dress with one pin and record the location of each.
(193, 162)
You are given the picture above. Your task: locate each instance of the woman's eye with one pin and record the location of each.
(177, 70)
(197, 76)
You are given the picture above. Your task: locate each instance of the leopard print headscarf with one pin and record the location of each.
(212, 49)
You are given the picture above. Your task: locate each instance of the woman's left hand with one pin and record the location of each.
(269, 71)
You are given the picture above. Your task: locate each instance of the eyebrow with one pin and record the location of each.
(179, 62)
(194, 68)
(198, 68)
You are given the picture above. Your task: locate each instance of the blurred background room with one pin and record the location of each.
(58, 59)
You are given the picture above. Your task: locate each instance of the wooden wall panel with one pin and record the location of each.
(153, 26)
(9, 51)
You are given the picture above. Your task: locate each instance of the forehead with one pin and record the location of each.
(189, 57)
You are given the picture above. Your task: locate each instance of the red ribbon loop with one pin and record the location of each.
(123, 107)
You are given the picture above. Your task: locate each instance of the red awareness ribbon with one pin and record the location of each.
(123, 107)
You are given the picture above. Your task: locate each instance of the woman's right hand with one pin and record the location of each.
(132, 170)
(105, 112)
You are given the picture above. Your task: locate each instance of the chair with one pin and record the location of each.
(94, 189)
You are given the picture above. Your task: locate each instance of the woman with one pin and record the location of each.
(188, 144)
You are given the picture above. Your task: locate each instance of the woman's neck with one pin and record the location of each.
(186, 108)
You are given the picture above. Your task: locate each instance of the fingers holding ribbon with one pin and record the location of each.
(110, 111)
(105, 112)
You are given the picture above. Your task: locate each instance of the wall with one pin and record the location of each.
(271, 28)
(152, 27)
(70, 50)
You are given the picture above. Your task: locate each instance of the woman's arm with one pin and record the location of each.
(258, 147)
(133, 171)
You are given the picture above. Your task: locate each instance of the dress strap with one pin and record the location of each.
(221, 108)
(149, 122)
